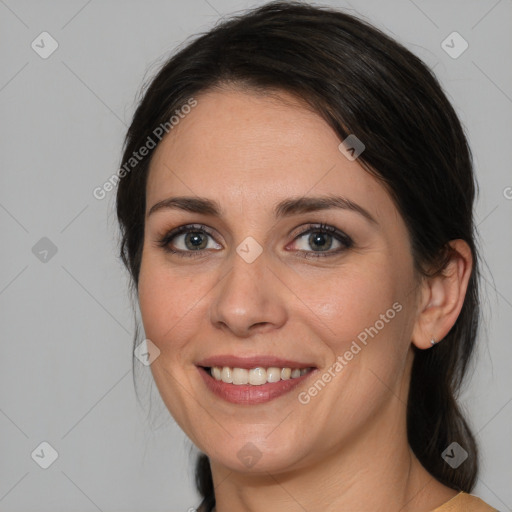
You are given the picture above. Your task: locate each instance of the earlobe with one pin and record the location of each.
(443, 296)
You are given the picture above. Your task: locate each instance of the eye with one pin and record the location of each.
(321, 239)
(186, 240)
(192, 240)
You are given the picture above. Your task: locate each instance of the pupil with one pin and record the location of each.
(195, 240)
(319, 239)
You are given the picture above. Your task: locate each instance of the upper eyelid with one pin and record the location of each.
(184, 229)
(317, 227)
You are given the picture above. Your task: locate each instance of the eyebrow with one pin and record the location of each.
(286, 208)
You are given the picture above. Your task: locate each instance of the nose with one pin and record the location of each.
(249, 299)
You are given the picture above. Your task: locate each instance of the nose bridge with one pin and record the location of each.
(248, 295)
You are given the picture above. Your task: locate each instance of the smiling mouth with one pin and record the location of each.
(257, 376)
(253, 386)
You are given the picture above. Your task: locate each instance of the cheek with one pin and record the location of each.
(164, 300)
(361, 318)
(349, 301)
(166, 303)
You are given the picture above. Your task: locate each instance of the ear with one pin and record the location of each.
(442, 297)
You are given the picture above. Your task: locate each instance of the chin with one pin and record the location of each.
(257, 454)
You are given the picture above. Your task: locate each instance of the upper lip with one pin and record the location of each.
(264, 361)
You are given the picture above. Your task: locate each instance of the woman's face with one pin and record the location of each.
(256, 283)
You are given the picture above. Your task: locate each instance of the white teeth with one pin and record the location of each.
(255, 376)
(273, 374)
(226, 375)
(240, 376)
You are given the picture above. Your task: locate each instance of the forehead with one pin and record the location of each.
(242, 146)
(233, 126)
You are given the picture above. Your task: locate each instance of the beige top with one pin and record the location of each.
(464, 502)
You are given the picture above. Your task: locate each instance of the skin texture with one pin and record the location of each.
(347, 448)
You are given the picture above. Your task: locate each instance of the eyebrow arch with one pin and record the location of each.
(286, 208)
(290, 207)
(188, 204)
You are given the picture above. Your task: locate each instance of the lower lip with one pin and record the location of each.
(245, 394)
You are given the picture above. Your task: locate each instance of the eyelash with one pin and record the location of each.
(310, 228)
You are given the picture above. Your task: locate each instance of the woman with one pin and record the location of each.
(296, 209)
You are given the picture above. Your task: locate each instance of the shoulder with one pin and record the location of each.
(464, 502)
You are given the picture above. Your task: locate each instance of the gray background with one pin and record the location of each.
(66, 323)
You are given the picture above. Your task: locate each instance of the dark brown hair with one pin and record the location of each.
(361, 82)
